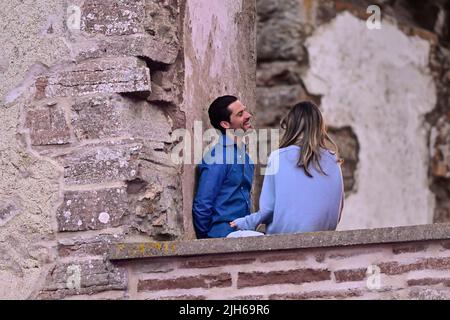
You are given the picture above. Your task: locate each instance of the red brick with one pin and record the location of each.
(437, 263)
(350, 275)
(445, 244)
(428, 281)
(201, 281)
(405, 248)
(346, 253)
(429, 294)
(320, 257)
(318, 295)
(298, 276)
(40, 85)
(283, 256)
(392, 268)
(210, 262)
(47, 126)
(340, 256)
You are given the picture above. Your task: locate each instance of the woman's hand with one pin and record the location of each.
(238, 223)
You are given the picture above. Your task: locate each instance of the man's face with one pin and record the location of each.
(239, 118)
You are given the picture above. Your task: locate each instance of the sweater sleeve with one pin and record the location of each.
(266, 201)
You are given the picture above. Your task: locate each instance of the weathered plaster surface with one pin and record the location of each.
(31, 33)
(28, 192)
(220, 59)
(378, 82)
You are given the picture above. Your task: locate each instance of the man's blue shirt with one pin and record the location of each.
(223, 193)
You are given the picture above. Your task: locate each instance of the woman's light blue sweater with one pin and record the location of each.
(292, 202)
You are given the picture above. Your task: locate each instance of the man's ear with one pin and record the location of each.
(225, 124)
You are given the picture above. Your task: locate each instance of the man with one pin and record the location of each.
(226, 172)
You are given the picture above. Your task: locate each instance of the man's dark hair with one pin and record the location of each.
(218, 111)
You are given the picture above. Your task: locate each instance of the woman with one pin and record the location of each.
(303, 187)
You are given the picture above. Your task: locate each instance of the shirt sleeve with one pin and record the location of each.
(211, 177)
(266, 202)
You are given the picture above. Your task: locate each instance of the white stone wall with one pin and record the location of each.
(378, 82)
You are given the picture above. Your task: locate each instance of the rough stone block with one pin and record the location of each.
(348, 146)
(210, 262)
(278, 73)
(281, 39)
(114, 161)
(161, 94)
(106, 116)
(161, 20)
(92, 210)
(440, 148)
(274, 102)
(157, 205)
(146, 28)
(86, 277)
(166, 85)
(141, 45)
(112, 17)
(97, 246)
(107, 75)
(47, 125)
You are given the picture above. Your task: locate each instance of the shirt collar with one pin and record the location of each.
(225, 140)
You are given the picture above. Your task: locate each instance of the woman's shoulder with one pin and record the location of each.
(284, 154)
(292, 148)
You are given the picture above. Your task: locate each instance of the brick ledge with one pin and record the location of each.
(156, 249)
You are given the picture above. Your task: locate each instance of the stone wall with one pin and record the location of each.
(393, 263)
(91, 93)
(384, 94)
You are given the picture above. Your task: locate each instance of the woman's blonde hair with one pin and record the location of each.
(304, 127)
